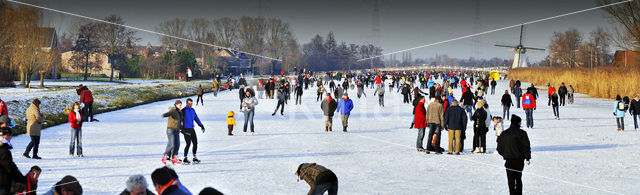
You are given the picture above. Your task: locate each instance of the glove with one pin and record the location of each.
(614, 114)
(201, 127)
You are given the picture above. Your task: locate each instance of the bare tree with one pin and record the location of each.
(564, 45)
(114, 39)
(225, 32)
(277, 34)
(28, 50)
(252, 36)
(198, 31)
(628, 16)
(176, 27)
(86, 44)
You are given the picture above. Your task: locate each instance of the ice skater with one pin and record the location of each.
(174, 118)
(189, 116)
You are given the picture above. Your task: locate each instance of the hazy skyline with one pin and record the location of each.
(403, 24)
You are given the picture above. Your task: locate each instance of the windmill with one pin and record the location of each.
(520, 51)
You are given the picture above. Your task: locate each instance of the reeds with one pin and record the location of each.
(602, 82)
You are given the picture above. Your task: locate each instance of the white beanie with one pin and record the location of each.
(294, 168)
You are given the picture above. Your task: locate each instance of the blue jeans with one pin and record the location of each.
(248, 117)
(518, 101)
(529, 113)
(434, 129)
(556, 111)
(635, 120)
(76, 140)
(34, 144)
(505, 111)
(468, 108)
(173, 142)
(215, 93)
(420, 138)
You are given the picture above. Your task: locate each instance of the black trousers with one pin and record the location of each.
(514, 175)
(480, 138)
(35, 143)
(281, 108)
(562, 100)
(189, 138)
(319, 97)
(199, 99)
(87, 111)
(406, 98)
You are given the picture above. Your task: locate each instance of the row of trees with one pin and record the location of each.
(326, 54)
(569, 49)
(256, 36)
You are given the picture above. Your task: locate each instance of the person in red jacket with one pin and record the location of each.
(4, 110)
(529, 105)
(550, 92)
(420, 123)
(86, 97)
(75, 118)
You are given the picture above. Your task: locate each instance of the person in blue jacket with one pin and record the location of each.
(345, 105)
(618, 111)
(189, 115)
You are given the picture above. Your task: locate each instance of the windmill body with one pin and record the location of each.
(520, 52)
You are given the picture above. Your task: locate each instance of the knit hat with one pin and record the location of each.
(294, 168)
(515, 120)
(177, 102)
(4, 119)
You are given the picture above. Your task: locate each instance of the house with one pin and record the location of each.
(101, 61)
(626, 58)
(235, 60)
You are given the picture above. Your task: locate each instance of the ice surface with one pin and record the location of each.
(580, 154)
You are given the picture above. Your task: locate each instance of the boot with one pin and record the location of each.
(26, 155)
(230, 133)
(344, 129)
(326, 129)
(175, 160)
(330, 129)
(476, 150)
(164, 159)
(36, 157)
(196, 160)
(481, 150)
(186, 161)
(411, 127)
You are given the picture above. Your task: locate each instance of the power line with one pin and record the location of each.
(139, 29)
(498, 29)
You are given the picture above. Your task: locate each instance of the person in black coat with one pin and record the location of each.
(506, 104)
(634, 110)
(493, 86)
(9, 172)
(479, 129)
(533, 91)
(514, 147)
(455, 122)
(562, 91)
(555, 105)
(298, 92)
(241, 95)
(467, 101)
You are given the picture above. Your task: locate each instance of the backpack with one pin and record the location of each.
(621, 106)
(526, 101)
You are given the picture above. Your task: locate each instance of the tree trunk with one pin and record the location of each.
(112, 61)
(42, 79)
(86, 66)
(22, 77)
(28, 80)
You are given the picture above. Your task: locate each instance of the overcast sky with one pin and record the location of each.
(403, 23)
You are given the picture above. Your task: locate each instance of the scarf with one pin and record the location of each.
(78, 117)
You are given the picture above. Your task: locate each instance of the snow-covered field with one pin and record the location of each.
(580, 154)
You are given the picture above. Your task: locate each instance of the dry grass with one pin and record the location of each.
(604, 82)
